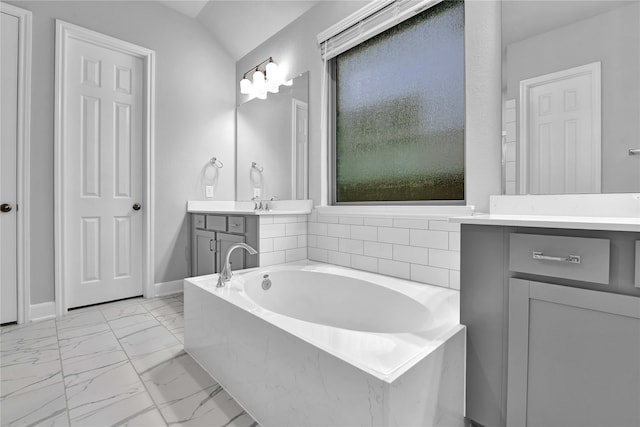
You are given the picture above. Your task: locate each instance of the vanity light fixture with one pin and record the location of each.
(266, 77)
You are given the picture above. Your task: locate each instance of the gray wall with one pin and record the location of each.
(614, 39)
(296, 49)
(195, 100)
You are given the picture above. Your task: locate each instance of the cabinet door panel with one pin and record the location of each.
(237, 256)
(205, 245)
(573, 357)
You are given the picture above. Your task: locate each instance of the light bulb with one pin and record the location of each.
(273, 73)
(259, 84)
(245, 86)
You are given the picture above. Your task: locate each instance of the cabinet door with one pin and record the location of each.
(237, 256)
(573, 357)
(205, 252)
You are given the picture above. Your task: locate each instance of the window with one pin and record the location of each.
(398, 99)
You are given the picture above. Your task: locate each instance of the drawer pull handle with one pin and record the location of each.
(572, 259)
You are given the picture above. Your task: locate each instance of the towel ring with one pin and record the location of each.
(217, 163)
(257, 166)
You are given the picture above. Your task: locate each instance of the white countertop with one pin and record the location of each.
(553, 221)
(279, 207)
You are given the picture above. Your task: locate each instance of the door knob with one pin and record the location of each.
(136, 206)
(5, 207)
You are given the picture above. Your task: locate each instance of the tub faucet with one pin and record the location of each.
(226, 273)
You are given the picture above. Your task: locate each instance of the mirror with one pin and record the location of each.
(272, 144)
(570, 96)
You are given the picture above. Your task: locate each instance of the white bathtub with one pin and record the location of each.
(330, 346)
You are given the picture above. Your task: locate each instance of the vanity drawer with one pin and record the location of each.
(198, 221)
(575, 258)
(236, 224)
(217, 222)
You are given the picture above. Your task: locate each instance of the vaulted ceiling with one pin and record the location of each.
(242, 25)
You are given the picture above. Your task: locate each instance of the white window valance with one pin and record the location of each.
(368, 22)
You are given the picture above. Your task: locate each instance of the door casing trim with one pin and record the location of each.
(23, 258)
(594, 70)
(64, 32)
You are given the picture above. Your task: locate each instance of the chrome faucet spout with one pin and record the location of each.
(226, 273)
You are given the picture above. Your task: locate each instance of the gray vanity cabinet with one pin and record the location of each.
(550, 342)
(211, 237)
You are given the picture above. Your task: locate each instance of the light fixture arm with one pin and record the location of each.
(257, 67)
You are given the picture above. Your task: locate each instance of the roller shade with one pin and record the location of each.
(368, 22)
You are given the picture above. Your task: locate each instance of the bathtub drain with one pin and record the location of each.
(266, 282)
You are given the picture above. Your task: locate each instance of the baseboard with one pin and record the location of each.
(168, 288)
(42, 311)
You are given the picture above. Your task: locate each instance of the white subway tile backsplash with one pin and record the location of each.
(351, 246)
(296, 228)
(328, 219)
(326, 242)
(339, 230)
(283, 219)
(353, 220)
(394, 268)
(430, 239)
(283, 243)
(454, 241)
(454, 279)
(272, 230)
(339, 258)
(364, 232)
(266, 245)
(379, 222)
(272, 258)
(411, 254)
(430, 275)
(437, 224)
(316, 254)
(367, 263)
(297, 254)
(317, 228)
(266, 219)
(444, 259)
(411, 223)
(420, 249)
(378, 250)
(393, 235)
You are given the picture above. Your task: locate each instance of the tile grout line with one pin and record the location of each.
(146, 389)
(64, 384)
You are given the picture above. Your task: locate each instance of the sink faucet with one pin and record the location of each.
(226, 273)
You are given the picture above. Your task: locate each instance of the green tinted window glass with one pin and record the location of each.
(399, 106)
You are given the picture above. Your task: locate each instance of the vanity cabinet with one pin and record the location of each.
(550, 341)
(211, 237)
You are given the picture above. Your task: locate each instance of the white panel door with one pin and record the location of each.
(104, 124)
(8, 170)
(562, 126)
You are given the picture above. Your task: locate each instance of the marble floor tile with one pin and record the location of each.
(151, 346)
(43, 406)
(23, 378)
(187, 395)
(90, 351)
(37, 351)
(123, 310)
(15, 337)
(128, 325)
(102, 389)
(115, 364)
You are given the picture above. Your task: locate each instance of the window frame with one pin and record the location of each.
(331, 121)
